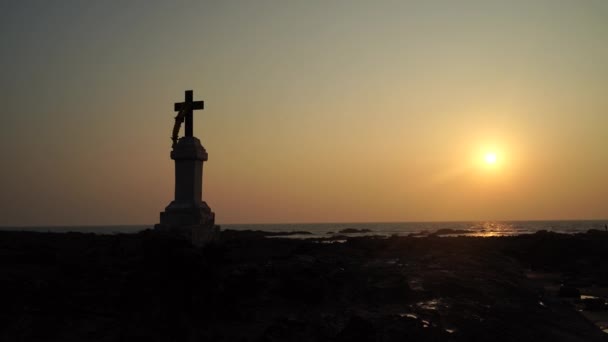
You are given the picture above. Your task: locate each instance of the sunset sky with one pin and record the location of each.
(316, 111)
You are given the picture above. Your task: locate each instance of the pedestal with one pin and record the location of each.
(188, 215)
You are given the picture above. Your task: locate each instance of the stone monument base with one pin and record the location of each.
(199, 235)
(192, 220)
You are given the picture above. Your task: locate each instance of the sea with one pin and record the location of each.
(317, 230)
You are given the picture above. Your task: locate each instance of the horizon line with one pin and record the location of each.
(310, 223)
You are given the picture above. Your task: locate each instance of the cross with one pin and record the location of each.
(189, 106)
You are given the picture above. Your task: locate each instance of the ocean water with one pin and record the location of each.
(476, 228)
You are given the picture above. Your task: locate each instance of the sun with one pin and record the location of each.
(490, 158)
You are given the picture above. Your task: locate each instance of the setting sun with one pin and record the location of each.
(490, 158)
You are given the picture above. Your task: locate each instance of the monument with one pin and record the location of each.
(188, 215)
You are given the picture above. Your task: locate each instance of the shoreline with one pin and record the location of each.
(311, 230)
(78, 286)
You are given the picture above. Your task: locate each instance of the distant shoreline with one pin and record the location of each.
(319, 230)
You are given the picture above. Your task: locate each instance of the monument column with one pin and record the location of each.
(188, 215)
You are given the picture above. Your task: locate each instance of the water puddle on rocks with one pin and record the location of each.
(591, 303)
(408, 315)
(425, 323)
(593, 306)
(426, 306)
(430, 305)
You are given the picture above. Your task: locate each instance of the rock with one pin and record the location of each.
(389, 288)
(357, 329)
(449, 231)
(229, 233)
(295, 232)
(594, 304)
(353, 231)
(79, 287)
(569, 292)
(285, 329)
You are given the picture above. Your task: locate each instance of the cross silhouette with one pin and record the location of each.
(189, 106)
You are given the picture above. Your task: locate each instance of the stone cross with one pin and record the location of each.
(189, 106)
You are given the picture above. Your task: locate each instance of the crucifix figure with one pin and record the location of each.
(185, 110)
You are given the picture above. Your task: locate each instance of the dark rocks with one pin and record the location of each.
(597, 232)
(357, 329)
(569, 292)
(228, 233)
(449, 231)
(594, 304)
(354, 231)
(289, 329)
(296, 232)
(74, 287)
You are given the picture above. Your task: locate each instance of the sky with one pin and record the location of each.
(315, 111)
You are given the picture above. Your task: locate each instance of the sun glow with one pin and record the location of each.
(490, 158)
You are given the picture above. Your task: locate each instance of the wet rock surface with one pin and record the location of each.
(75, 287)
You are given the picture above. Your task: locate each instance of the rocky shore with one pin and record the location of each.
(248, 287)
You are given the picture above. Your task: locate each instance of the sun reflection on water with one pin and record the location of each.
(492, 228)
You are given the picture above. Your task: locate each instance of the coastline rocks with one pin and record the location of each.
(354, 231)
(596, 232)
(295, 232)
(229, 233)
(357, 329)
(77, 287)
(450, 231)
(594, 304)
(569, 292)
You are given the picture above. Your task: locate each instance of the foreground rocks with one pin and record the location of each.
(86, 287)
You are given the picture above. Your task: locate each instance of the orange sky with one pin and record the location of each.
(315, 111)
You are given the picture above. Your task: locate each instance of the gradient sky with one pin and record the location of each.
(316, 111)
